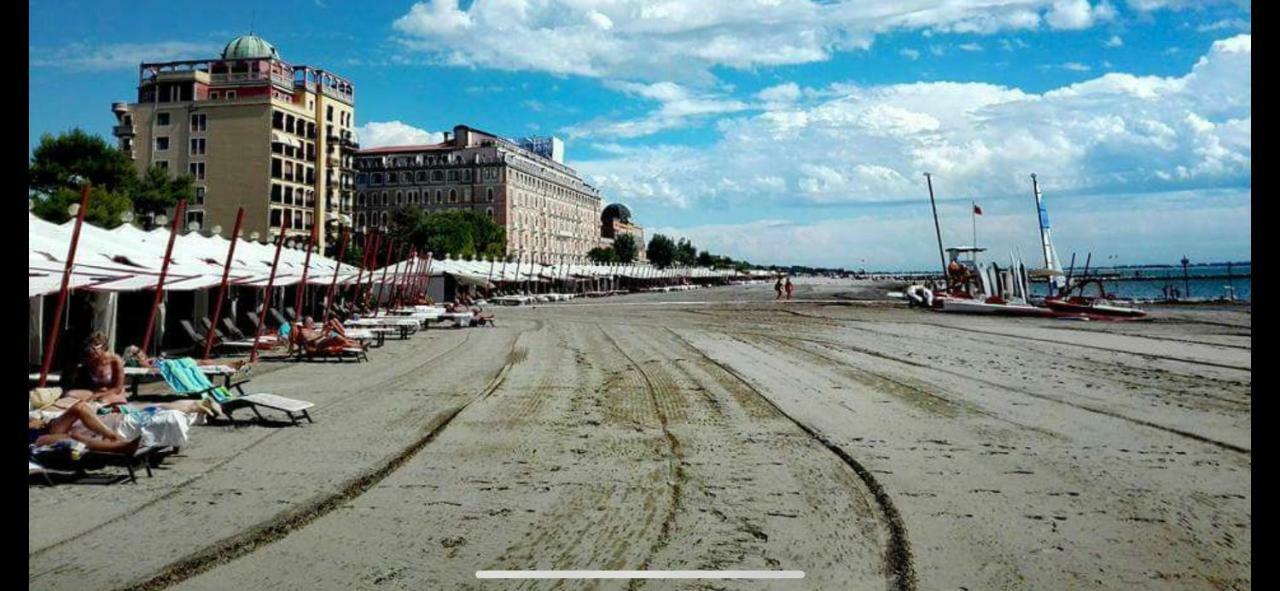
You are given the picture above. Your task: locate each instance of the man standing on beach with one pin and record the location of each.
(777, 288)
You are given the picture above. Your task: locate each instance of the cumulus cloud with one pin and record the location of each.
(670, 40)
(1115, 41)
(119, 56)
(847, 143)
(376, 134)
(678, 106)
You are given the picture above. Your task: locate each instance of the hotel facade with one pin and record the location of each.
(550, 214)
(253, 131)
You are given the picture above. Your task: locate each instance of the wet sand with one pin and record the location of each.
(869, 445)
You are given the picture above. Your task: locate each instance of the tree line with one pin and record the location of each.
(61, 164)
(663, 252)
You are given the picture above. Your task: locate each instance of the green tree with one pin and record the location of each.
(158, 191)
(624, 246)
(686, 253)
(105, 207)
(602, 255)
(705, 259)
(661, 251)
(75, 153)
(463, 234)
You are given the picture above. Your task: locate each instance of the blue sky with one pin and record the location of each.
(782, 131)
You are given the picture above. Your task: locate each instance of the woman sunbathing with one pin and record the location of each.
(99, 380)
(134, 357)
(327, 338)
(42, 432)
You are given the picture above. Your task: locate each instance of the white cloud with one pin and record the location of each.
(857, 144)
(1075, 67)
(670, 40)
(970, 47)
(911, 54)
(782, 93)
(1226, 24)
(376, 134)
(679, 106)
(1115, 41)
(119, 56)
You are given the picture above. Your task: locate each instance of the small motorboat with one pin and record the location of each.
(992, 305)
(1092, 307)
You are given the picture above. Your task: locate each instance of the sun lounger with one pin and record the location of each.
(92, 460)
(186, 379)
(199, 339)
(231, 329)
(279, 318)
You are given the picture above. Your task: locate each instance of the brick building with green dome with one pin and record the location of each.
(254, 131)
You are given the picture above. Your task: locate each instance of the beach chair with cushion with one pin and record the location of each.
(303, 350)
(230, 328)
(279, 318)
(219, 342)
(85, 461)
(186, 379)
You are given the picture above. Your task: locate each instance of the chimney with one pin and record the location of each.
(463, 133)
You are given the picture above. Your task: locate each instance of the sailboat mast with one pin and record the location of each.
(936, 228)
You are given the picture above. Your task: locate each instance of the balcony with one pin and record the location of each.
(122, 130)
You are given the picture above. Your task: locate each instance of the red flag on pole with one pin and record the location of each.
(977, 210)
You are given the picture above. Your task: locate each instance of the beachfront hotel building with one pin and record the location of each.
(550, 214)
(253, 131)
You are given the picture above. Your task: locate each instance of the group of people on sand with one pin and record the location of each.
(780, 286)
(97, 389)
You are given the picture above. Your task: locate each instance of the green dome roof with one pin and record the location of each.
(249, 47)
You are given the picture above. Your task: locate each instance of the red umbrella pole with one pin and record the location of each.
(164, 271)
(306, 266)
(222, 287)
(342, 250)
(266, 303)
(66, 288)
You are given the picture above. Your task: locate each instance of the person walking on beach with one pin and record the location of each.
(790, 288)
(777, 287)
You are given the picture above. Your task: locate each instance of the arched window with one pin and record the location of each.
(384, 198)
(489, 211)
(399, 197)
(453, 196)
(360, 198)
(360, 220)
(489, 196)
(384, 219)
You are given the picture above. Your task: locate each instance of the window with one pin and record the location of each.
(384, 198)
(276, 192)
(197, 217)
(362, 179)
(384, 219)
(277, 120)
(406, 178)
(163, 164)
(376, 179)
(275, 217)
(162, 143)
(399, 198)
(489, 211)
(162, 118)
(200, 192)
(277, 168)
(306, 220)
(288, 123)
(197, 146)
(466, 194)
(231, 95)
(360, 199)
(422, 176)
(437, 196)
(453, 196)
(489, 195)
(297, 219)
(197, 170)
(437, 176)
(453, 175)
(360, 220)
(199, 122)
(328, 114)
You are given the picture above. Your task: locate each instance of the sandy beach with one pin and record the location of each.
(870, 445)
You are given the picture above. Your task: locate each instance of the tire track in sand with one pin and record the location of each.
(280, 527)
(674, 462)
(898, 561)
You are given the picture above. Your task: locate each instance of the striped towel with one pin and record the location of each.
(185, 377)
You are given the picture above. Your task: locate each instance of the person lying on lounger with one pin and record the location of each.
(134, 357)
(42, 432)
(99, 381)
(327, 338)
